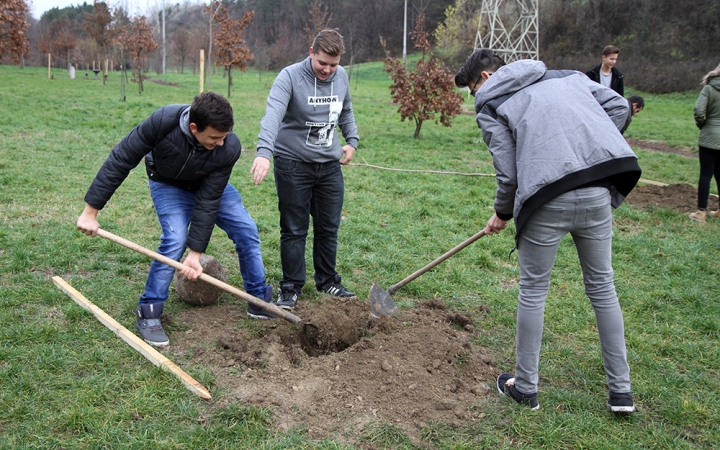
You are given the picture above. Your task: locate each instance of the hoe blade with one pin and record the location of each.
(381, 302)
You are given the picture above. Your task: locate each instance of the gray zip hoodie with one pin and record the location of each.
(549, 132)
(302, 115)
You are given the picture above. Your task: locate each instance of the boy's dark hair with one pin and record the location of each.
(636, 99)
(610, 50)
(209, 109)
(329, 41)
(477, 62)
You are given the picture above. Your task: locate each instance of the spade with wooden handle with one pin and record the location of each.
(204, 277)
(381, 300)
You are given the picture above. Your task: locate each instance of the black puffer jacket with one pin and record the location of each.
(172, 156)
(616, 83)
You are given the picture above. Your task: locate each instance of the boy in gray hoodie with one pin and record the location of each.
(561, 165)
(308, 102)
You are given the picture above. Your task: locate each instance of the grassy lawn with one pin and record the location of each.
(67, 382)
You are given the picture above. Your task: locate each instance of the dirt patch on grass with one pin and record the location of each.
(661, 147)
(351, 371)
(161, 82)
(354, 371)
(681, 198)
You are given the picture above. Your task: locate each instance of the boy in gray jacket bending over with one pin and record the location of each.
(561, 164)
(308, 101)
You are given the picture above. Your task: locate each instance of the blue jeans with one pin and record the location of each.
(174, 210)
(586, 214)
(304, 190)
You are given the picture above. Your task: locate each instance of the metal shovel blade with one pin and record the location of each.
(381, 302)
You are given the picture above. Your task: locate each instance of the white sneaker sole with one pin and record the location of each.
(258, 316)
(158, 344)
(622, 409)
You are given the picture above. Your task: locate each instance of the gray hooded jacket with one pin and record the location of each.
(302, 115)
(550, 132)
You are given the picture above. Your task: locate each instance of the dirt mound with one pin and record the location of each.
(352, 370)
(662, 147)
(681, 198)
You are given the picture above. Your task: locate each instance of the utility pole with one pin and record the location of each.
(209, 56)
(164, 53)
(405, 33)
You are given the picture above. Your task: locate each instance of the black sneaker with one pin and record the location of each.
(506, 386)
(621, 402)
(287, 298)
(149, 326)
(336, 289)
(256, 312)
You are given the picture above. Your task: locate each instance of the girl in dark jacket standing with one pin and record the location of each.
(707, 118)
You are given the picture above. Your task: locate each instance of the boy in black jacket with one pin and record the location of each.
(189, 153)
(605, 73)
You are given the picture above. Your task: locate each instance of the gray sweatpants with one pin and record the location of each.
(586, 214)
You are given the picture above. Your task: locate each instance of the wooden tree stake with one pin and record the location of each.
(135, 342)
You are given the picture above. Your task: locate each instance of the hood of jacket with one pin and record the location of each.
(509, 79)
(714, 82)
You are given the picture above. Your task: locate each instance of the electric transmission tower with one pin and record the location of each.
(520, 39)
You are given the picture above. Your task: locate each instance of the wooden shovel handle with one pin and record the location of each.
(391, 290)
(207, 278)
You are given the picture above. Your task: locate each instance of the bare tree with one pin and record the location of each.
(427, 90)
(231, 48)
(140, 43)
(63, 38)
(320, 19)
(13, 28)
(97, 26)
(181, 46)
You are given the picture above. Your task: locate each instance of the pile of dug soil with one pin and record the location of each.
(681, 198)
(352, 370)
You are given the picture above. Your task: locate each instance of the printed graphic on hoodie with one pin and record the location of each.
(321, 134)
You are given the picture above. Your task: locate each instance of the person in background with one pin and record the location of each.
(189, 153)
(636, 103)
(308, 102)
(605, 73)
(707, 118)
(561, 164)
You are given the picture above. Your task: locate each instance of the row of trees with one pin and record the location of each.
(665, 45)
(279, 33)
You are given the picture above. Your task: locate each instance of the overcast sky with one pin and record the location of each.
(38, 7)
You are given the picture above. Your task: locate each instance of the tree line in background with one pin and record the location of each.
(666, 45)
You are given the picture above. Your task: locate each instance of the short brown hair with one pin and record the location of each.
(610, 50)
(329, 41)
(209, 109)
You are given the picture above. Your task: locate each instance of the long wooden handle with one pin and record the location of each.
(135, 342)
(207, 278)
(391, 290)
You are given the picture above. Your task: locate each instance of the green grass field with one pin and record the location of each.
(68, 382)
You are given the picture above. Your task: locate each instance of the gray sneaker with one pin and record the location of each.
(621, 402)
(288, 296)
(506, 386)
(256, 312)
(149, 326)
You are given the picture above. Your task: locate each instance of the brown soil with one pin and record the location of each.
(162, 82)
(661, 147)
(681, 198)
(352, 370)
